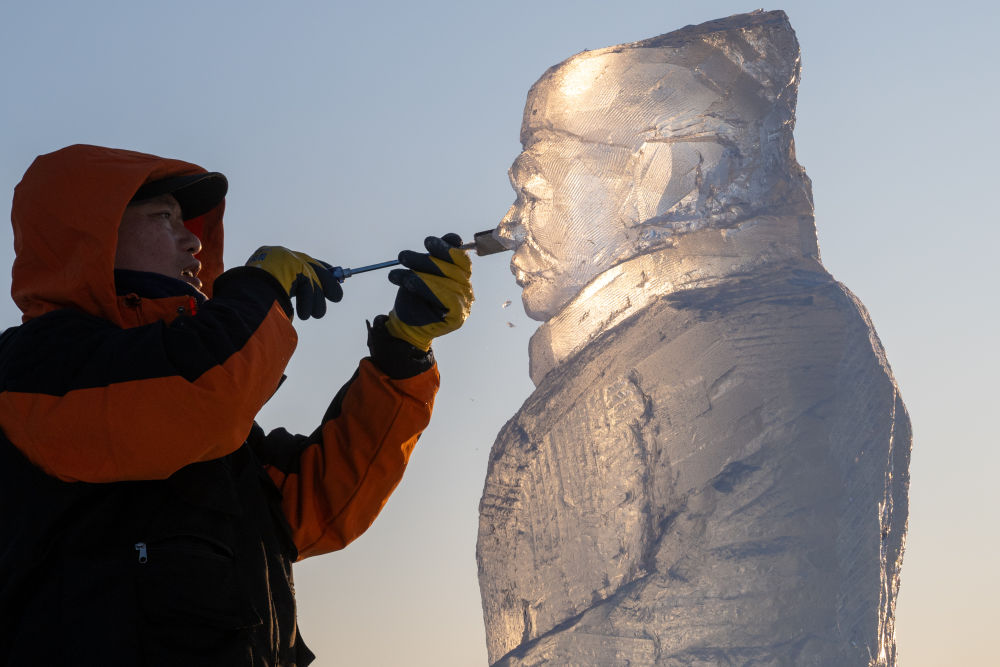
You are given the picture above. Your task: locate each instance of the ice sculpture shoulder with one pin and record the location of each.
(714, 463)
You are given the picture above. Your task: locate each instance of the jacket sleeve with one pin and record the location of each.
(334, 482)
(86, 400)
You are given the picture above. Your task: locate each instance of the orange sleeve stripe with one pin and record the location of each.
(344, 480)
(149, 429)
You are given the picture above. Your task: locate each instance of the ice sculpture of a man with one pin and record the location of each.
(712, 469)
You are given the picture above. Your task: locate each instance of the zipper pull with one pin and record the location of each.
(141, 548)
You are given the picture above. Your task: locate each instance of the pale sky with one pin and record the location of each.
(353, 131)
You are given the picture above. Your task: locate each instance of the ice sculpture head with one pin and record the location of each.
(628, 147)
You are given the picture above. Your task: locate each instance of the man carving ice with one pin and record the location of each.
(713, 466)
(145, 517)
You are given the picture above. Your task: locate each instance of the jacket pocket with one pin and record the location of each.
(192, 606)
(185, 545)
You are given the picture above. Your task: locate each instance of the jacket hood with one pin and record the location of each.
(66, 212)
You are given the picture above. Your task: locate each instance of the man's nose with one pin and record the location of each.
(190, 242)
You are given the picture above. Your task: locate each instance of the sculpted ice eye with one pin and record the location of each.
(713, 467)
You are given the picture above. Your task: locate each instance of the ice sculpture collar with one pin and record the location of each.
(698, 259)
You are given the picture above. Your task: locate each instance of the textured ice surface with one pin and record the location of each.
(628, 147)
(713, 466)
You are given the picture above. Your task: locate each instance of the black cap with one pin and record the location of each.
(196, 193)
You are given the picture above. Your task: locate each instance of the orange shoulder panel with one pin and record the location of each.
(150, 428)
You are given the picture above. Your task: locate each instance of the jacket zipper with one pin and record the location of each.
(221, 552)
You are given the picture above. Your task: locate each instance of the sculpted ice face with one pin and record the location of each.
(627, 148)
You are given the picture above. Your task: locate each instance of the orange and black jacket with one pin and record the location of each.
(145, 518)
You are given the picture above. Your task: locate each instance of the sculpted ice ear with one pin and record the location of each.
(713, 466)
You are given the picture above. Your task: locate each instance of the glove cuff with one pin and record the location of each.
(393, 356)
(397, 328)
(249, 279)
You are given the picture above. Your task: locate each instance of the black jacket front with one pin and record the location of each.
(164, 572)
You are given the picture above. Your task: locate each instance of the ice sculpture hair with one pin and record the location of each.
(628, 147)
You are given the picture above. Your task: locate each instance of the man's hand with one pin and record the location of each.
(435, 292)
(309, 281)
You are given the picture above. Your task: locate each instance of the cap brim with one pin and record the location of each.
(196, 193)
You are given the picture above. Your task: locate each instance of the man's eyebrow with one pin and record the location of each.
(159, 202)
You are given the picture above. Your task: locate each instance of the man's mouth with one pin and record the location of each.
(190, 275)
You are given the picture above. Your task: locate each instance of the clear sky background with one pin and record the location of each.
(353, 130)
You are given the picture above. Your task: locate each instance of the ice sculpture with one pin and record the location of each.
(712, 469)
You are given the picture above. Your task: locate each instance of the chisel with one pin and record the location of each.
(484, 243)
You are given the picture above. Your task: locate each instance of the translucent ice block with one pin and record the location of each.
(713, 466)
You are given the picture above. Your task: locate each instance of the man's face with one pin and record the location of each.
(152, 237)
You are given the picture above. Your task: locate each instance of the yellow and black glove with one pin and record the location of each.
(435, 291)
(309, 281)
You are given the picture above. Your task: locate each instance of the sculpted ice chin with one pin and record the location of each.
(713, 465)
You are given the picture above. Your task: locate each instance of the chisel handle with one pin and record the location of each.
(484, 243)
